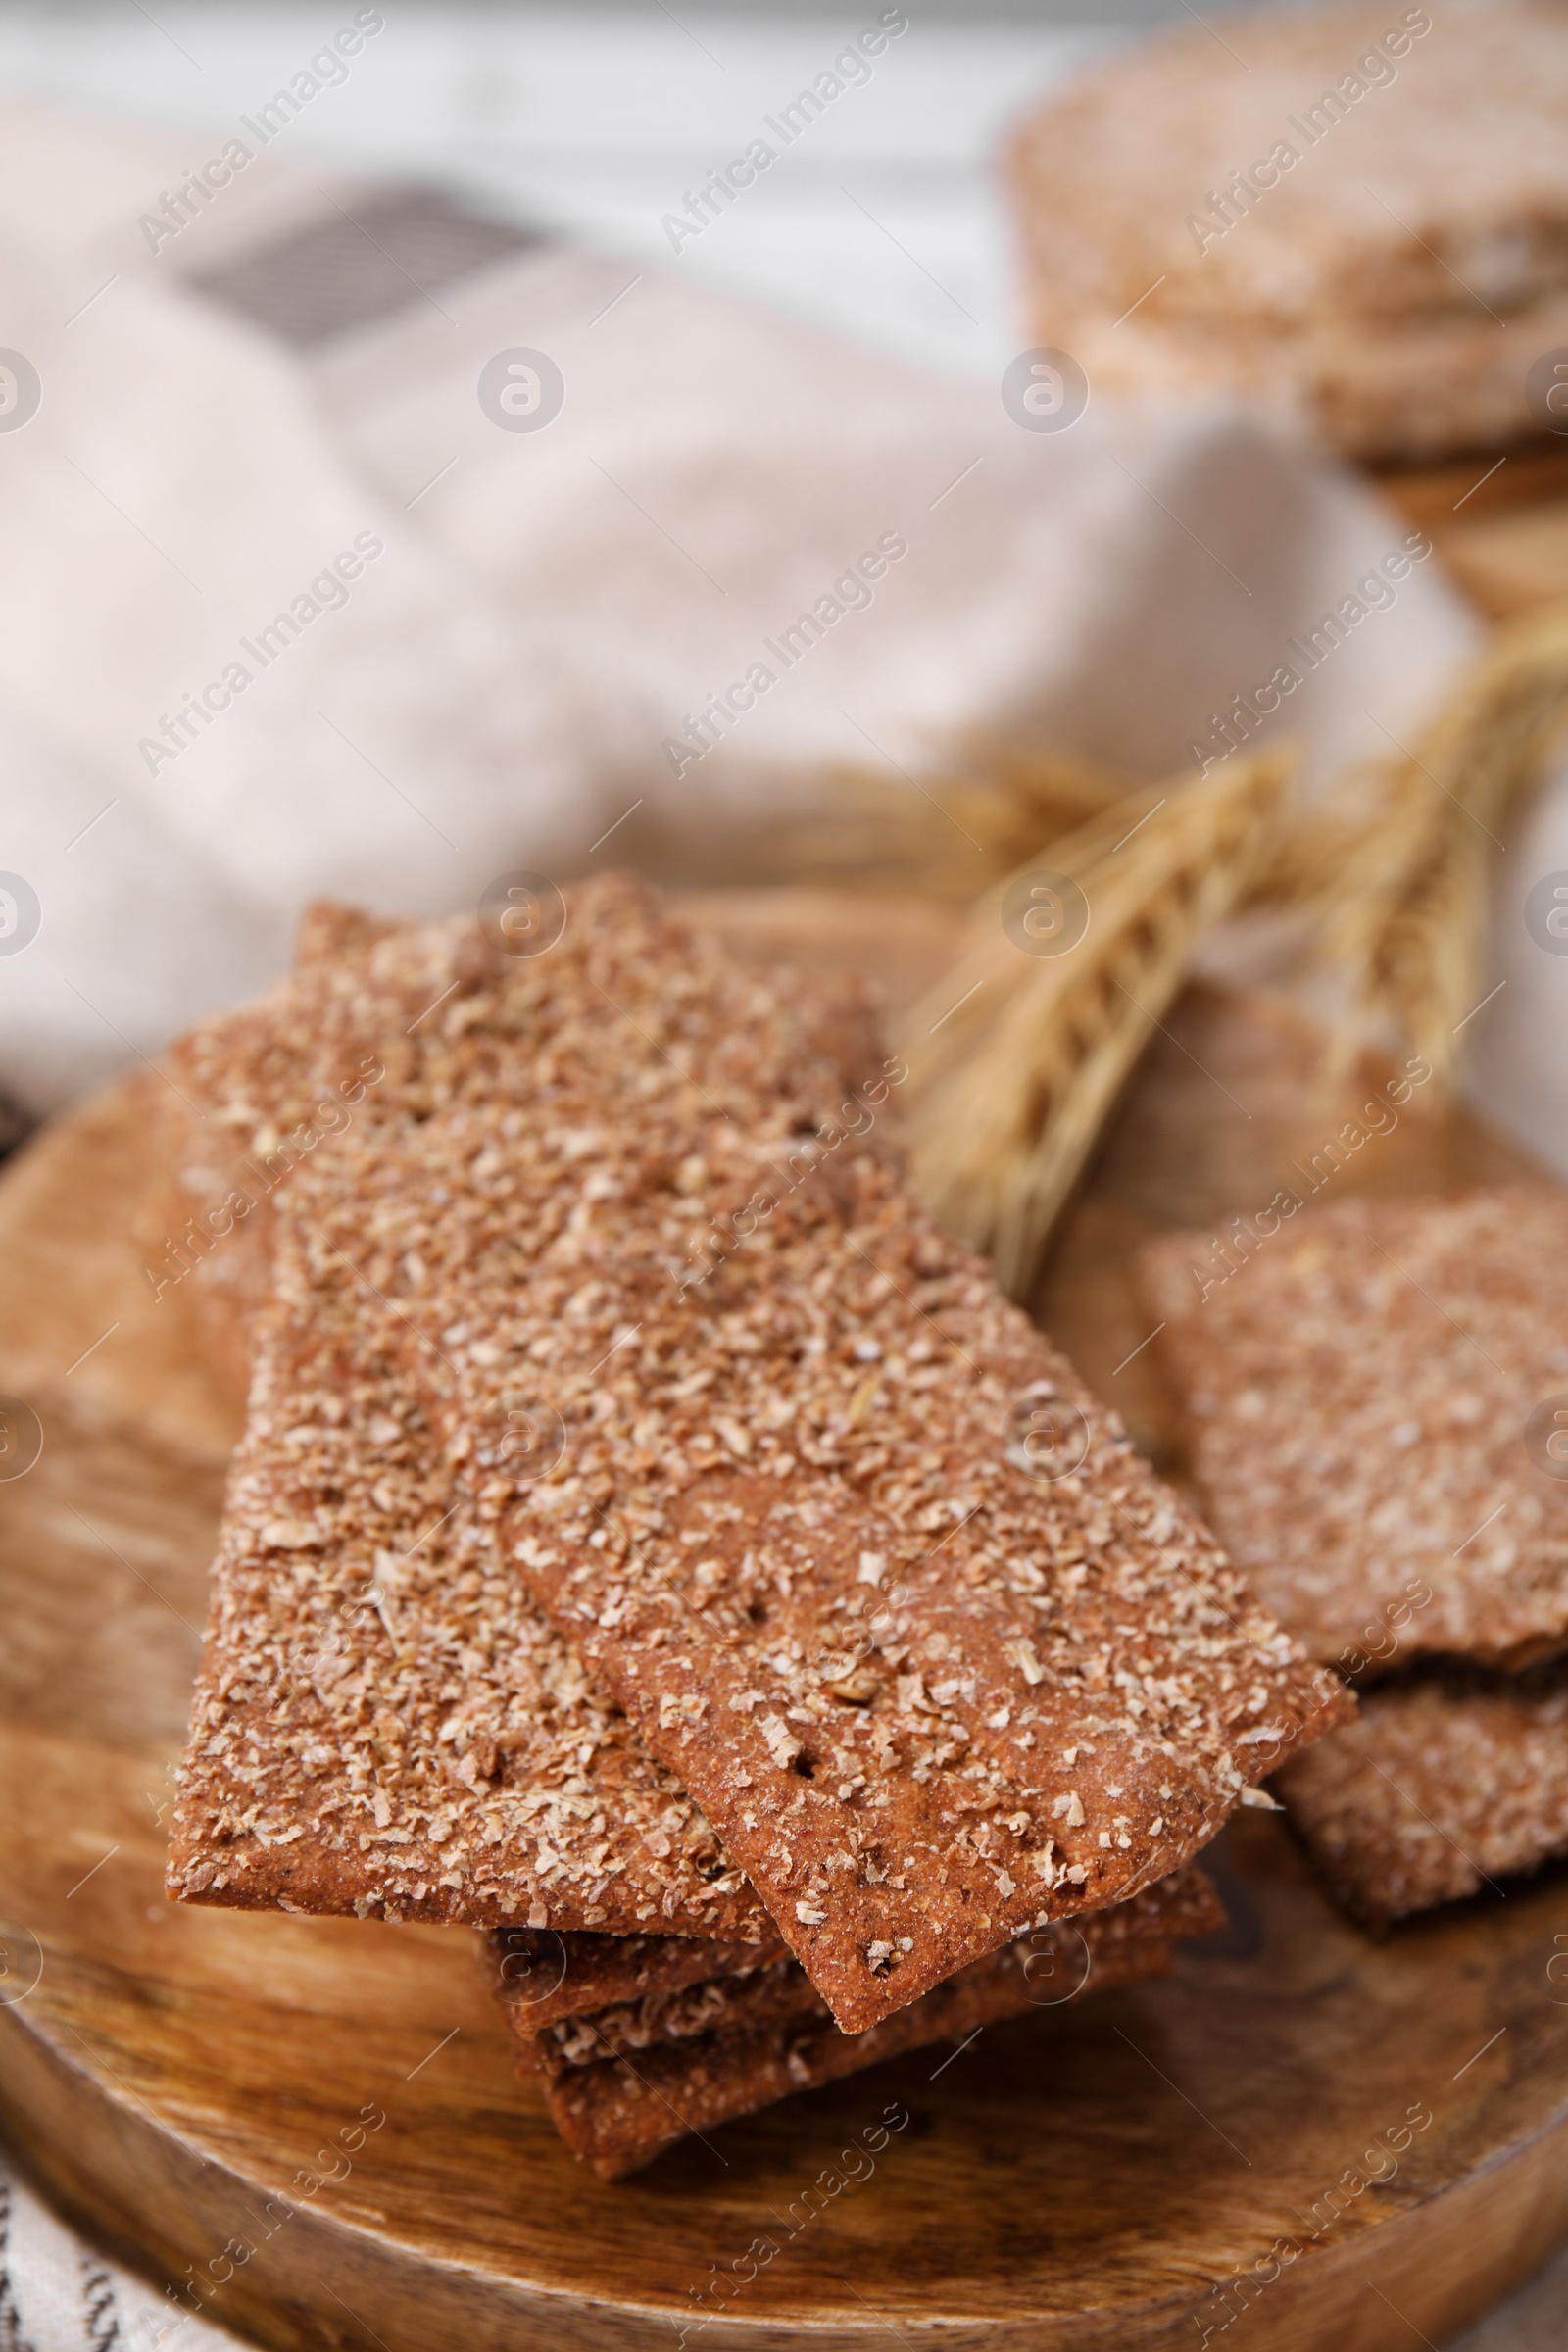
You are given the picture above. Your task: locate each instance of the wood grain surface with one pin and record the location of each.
(203, 2088)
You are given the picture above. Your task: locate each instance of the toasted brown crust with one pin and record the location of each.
(738, 2003)
(795, 1527)
(1447, 1782)
(1358, 387)
(619, 2119)
(251, 1094)
(1357, 1395)
(619, 2112)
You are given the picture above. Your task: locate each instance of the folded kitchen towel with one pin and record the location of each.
(58, 2294)
(315, 585)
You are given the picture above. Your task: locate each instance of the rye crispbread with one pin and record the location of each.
(510, 1789)
(383, 1721)
(620, 2110)
(927, 1697)
(761, 1991)
(540, 1976)
(1358, 1395)
(737, 2003)
(1357, 215)
(1448, 1782)
(251, 1094)
(620, 2117)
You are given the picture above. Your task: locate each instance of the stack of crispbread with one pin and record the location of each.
(1355, 214)
(1377, 1400)
(638, 1547)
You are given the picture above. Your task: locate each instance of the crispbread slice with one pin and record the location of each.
(541, 1976)
(1119, 165)
(619, 2111)
(733, 2004)
(1448, 1782)
(790, 1512)
(1346, 216)
(762, 1991)
(384, 1723)
(1358, 1391)
(1357, 380)
(333, 1764)
(619, 2118)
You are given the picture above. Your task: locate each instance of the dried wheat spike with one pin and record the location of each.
(1408, 902)
(1016, 1056)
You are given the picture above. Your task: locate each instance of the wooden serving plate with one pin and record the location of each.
(194, 2085)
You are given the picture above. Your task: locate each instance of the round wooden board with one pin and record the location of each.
(1077, 2179)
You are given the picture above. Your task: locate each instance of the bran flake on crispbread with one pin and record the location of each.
(1359, 1394)
(776, 1484)
(1446, 1783)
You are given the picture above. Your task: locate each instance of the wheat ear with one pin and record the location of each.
(1016, 1056)
(1406, 914)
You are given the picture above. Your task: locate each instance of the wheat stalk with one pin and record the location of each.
(1016, 1058)
(1404, 891)
(1396, 867)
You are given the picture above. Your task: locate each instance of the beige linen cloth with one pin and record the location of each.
(497, 641)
